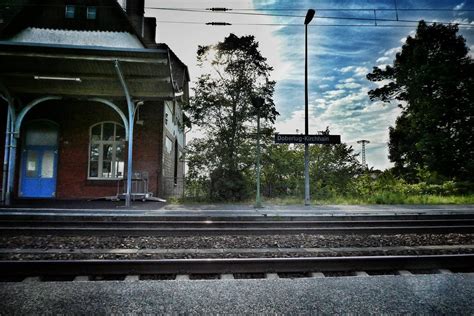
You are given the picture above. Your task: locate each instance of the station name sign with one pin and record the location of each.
(309, 139)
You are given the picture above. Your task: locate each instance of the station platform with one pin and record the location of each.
(439, 294)
(107, 208)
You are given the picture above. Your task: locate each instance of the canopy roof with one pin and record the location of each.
(80, 71)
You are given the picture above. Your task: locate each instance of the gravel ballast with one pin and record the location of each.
(204, 255)
(270, 241)
(69, 248)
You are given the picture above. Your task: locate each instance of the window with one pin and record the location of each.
(70, 11)
(91, 13)
(106, 153)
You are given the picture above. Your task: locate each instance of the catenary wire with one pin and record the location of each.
(302, 16)
(311, 25)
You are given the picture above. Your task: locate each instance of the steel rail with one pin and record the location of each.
(240, 265)
(175, 232)
(116, 217)
(234, 224)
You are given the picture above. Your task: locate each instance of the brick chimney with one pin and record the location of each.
(135, 11)
(150, 31)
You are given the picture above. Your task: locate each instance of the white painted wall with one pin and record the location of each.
(171, 124)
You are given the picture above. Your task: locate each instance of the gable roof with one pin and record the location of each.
(19, 15)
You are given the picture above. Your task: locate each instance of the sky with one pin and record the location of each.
(340, 54)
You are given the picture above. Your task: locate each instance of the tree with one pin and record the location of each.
(332, 170)
(433, 80)
(222, 108)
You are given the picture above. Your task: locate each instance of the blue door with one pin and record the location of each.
(39, 161)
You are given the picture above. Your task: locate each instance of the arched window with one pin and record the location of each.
(106, 153)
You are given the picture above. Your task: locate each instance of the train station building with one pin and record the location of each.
(90, 105)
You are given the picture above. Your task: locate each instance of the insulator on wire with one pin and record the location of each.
(218, 23)
(219, 9)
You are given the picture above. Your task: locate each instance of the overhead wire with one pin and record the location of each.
(374, 19)
(292, 24)
(317, 9)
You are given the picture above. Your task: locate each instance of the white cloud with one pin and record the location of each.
(382, 83)
(328, 78)
(320, 103)
(334, 93)
(459, 6)
(191, 35)
(348, 85)
(383, 66)
(339, 105)
(382, 60)
(346, 69)
(462, 21)
(357, 70)
(392, 51)
(323, 86)
(403, 40)
(297, 121)
(388, 55)
(361, 71)
(351, 115)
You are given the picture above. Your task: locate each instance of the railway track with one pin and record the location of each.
(308, 266)
(94, 226)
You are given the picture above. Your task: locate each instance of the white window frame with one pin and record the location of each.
(101, 144)
(70, 11)
(91, 13)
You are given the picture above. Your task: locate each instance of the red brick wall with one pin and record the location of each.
(147, 143)
(74, 119)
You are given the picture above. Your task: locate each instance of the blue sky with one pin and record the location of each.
(339, 56)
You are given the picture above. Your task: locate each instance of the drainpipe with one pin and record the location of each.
(12, 154)
(6, 155)
(131, 119)
(10, 149)
(11, 165)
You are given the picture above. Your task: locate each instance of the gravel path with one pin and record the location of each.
(284, 241)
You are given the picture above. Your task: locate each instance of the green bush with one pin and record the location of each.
(228, 185)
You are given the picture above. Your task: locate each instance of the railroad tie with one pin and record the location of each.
(82, 278)
(131, 278)
(32, 279)
(317, 275)
(227, 276)
(272, 276)
(182, 277)
(361, 274)
(404, 272)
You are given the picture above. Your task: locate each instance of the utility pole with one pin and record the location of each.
(363, 142)
(307, 20)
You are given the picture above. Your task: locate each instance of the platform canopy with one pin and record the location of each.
(79, 71)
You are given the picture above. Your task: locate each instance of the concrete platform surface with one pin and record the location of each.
(104, 208)
(417, 294)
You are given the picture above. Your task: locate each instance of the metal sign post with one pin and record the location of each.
(307, 20)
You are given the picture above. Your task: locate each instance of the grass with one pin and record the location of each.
(381, 198)
(376, 198)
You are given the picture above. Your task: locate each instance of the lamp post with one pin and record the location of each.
(307, 20)
(258, 103)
